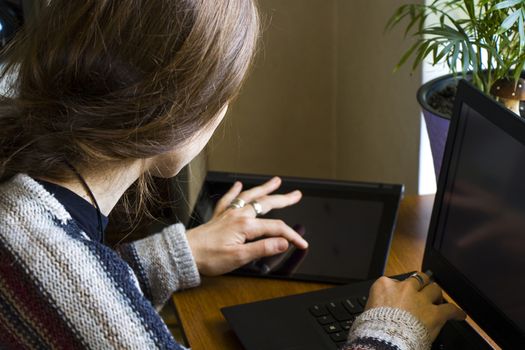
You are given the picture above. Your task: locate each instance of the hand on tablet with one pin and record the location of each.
(283, 263)
(235, 236)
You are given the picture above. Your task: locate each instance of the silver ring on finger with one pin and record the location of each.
(237, 203)
(419, 279)
(257, 207)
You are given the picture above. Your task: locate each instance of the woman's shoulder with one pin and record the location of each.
(24, 198)
(37, 233)
(49, 268)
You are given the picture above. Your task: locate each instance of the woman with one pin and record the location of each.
(107, 93)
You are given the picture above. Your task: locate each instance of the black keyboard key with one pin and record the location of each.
(338, 311)
(346, 324)
(338, 336)
(332, 328)
(325, 319)
(362, 300)
(353, 306)
(318, 310)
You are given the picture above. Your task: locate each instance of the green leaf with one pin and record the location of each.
(496, 55)
(477, 80)
(444, 32)
(442, 20)
(422, 23)
(469, 5)
(521, 31)
(509, 21)
(459, 28)
(453, 61)
(422, 52)
(508, 3)
(466, 58)
(396, 18)
(446, 50)
(413, 21)
(407, 54)
(474, 59)
(519, 69)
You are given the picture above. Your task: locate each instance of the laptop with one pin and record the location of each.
(475, 247)
(360, 216)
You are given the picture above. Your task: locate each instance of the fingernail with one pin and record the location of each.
(305, 244)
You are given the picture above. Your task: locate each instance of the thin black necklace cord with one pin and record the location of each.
(86, 187)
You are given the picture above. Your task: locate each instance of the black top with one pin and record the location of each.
(84, 214)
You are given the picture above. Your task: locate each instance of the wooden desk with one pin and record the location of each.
(199, 308)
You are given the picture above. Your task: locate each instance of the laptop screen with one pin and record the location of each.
(478, 228)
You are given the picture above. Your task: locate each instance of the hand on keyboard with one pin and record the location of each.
(418, 295)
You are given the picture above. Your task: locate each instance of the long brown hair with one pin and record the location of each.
(100, 81)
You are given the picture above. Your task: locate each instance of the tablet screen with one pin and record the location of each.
(341, 233)
(348, 227)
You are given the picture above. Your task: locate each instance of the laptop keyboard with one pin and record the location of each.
(336, 317)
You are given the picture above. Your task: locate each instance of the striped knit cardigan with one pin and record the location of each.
(61, 290)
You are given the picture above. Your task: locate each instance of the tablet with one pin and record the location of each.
(348, 226)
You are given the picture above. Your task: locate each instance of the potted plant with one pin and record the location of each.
(480, 40)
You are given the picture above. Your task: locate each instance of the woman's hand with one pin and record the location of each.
(234, 236)
(422, 300)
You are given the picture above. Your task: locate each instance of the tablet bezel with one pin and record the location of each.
(388, 194)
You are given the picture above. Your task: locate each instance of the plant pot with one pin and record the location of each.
(437, 122)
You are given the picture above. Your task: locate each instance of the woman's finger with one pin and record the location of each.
(451, 312)
(418, 280)
(228, 197)
(260, 191)
(273, 228)
(433, 293)
(264, 247)
(278, 201)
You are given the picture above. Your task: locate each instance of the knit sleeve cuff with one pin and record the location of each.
(395, 327)
(167, 262)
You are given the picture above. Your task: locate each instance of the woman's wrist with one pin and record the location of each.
(195, 248)
(391, 326)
